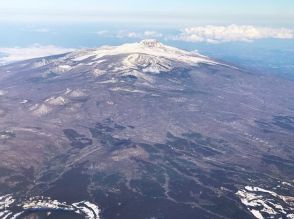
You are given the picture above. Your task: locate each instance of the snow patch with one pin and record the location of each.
(81, 57)
(24, 101)
(57, 101)
(77, 93)
(127, 90)
(262, 202)
(40, 109)
(41, 63)
(111, 81)
(61, 69)
(147, 63)
(98, 72)
(8, 203)
(2, 92)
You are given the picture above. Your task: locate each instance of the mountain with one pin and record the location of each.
(144, 130)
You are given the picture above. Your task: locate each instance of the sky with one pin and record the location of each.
(255, 12)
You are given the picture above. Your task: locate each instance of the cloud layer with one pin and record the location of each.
(209, 34)
(130, 34)
(8, 55)
(230, 33)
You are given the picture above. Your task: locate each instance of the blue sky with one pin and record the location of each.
(189, 12)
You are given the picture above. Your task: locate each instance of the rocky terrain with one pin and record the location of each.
(144, 130)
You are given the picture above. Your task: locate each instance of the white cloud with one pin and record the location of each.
(8, 55)
(103, 33)
(127, 34)
(218, 34)
(32, 28)
(139, 35)
(152, 34)
(41, 30)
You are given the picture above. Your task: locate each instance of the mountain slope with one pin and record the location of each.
(145, 125)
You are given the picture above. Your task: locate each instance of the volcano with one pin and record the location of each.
(144, 130)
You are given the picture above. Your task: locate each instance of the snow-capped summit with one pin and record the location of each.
(149, 47)
(151, 43)
(144, 57)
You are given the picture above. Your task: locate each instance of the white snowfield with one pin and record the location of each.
(149, 48)
(147, 56)
(261, 203)
(7, 202)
